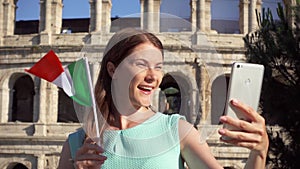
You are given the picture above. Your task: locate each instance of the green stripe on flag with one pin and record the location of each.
(80, 84)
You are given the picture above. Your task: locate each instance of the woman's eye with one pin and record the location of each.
(158, 67)
(141, 64)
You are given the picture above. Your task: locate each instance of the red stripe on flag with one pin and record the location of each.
(48, 68)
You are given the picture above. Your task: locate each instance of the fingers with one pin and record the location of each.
(240, 136)
(248, 111)
(89, 155)
(90, 145)
(252, 141)
(242, 125)
(251, 134)
(87, 164)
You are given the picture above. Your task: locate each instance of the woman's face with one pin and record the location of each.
(136, 78)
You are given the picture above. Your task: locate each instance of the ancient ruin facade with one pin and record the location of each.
(36, 116)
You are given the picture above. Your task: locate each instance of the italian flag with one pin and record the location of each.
(74, 79)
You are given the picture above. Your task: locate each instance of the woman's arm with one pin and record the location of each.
(253, 135)
(194, 151)
(65, 161)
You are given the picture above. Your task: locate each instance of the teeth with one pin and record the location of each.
(146, 88)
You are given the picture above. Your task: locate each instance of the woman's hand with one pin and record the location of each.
(89, 156)
(252, 134)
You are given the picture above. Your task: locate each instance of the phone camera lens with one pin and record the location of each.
(238, 66)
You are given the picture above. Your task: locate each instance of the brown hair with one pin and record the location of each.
(118, 48)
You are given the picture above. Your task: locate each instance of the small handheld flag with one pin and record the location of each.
(74, 79)
(74, 83)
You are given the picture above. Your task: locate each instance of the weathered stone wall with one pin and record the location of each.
(37, 144)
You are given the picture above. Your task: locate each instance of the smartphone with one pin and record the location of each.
(244, 85)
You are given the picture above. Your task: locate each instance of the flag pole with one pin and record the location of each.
(93, 98)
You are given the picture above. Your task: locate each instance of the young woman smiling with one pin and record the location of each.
(137, 136)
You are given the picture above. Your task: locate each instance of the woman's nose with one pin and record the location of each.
(151, 75)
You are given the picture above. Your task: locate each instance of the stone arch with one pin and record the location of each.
(16, 165)
(218, 97)
(7, 81)
(171, 91)
(4, 97)
(21, 97)
(189, 100)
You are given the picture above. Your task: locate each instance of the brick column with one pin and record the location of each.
(244, 16)
(252, 16)
(36, 100)
(201, 15)
(45, 16)
(41, 160)
(194, 105)
(156, 15)
(1, 22)
(208, 15)
(8, 17)
(204, 89)
(48, 102)
(41, 107)
(201, 21)
(56, 16)
(96, 15)
(259, 5)
(5, 95)
(142, 2)
(50, 20)
(151, 15)
(106, 15)
(193, 5)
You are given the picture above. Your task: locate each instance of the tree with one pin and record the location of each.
(276, 45)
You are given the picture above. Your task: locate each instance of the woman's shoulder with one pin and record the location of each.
(172, 118)
(162, 122)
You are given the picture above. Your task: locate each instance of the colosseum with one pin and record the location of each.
(36, 116)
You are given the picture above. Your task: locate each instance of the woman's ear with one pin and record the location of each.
(110, 69)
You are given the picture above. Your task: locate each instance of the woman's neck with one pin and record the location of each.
(128, 121)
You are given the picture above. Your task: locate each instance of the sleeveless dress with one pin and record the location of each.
(153, 144)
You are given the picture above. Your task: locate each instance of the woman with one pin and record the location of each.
(138, 137)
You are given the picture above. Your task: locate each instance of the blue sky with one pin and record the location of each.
(75, 8)
(221, 9)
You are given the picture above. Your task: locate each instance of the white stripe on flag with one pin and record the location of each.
(65, 83)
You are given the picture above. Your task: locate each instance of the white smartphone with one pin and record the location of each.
(244, 85)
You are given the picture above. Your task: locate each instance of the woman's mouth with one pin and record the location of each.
(145, 89)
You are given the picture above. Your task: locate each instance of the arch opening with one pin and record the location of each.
(27, 17)
(22, 99)
(218, 97)
(16, 165)
(66, 111)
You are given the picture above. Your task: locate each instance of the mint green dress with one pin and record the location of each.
(154, 144)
